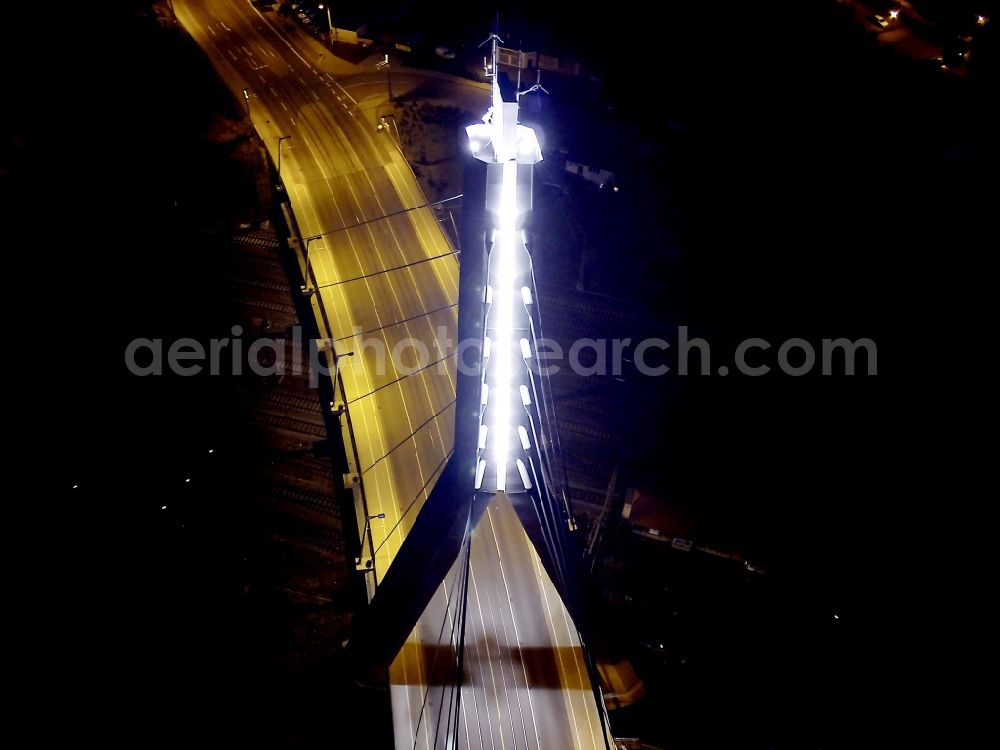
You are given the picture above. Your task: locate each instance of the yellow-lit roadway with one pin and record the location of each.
(525, 681)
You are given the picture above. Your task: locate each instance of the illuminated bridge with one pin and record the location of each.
(462, 507)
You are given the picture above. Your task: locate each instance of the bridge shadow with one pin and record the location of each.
(554, 668)
(424, 664)
(542, 666)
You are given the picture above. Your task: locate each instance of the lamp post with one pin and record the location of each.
(388, 75)
(383, 124)
(307, 289)
(280, 139)
(330, 30)
(364, 533)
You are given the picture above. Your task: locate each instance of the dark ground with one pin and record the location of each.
(821, 188)
(203, 612)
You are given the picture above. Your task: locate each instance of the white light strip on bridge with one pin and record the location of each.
(480, 470)
(523, 434)
(504, 258)
(523, 471)
(525, 396)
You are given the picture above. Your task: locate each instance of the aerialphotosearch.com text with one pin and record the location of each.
(685, 355)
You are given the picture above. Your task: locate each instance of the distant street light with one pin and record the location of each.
(364, 533)
(382, 124)
(280, 139)
(388, 75)
(330, 30)
(893, 14)
(307, 289)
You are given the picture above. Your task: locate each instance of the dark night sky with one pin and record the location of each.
(825, 190)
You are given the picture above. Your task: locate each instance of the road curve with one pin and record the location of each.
(525, 680)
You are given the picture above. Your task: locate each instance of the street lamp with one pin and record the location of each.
(383, 124)
(280, 139)
(330, 30)
(368, 523)
(388, 74)
(307, 289)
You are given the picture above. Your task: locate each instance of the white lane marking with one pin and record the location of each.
(420, 299)
(377, 435)
(211, 30)
(571, 699)
(496, 625)
(378, 427)
(516, 645)
(490, 661)
(232, 55)
(223, 24)
(272, 90)
(303, 81)
(382, 264)
(282, 38)
(292, 119)
(394, 499)
(428, 230)
(377, 473)
(284, 108)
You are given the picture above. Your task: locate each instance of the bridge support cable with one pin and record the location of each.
(389, 215)
(505, 463)
(403, 377)
(433, 670)
(455, 705)
(552, 515)
(426, 556)
(413, 502)
(407, 439)
(549, 401)
(350, 336)
(551, 532)
(433, 542)
(595, 684)
(493, 457)
(547, 431)
(400, 267)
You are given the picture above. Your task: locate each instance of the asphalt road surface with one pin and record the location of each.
(525, 681)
